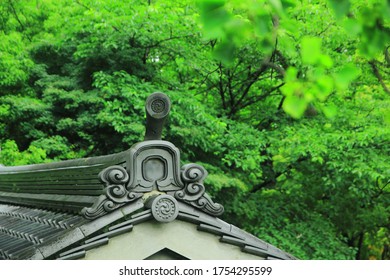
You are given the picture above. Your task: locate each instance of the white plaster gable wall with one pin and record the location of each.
(181, 237)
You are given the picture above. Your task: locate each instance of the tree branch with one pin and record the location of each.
(378, 75)
(11, 4)
(220, 86)
(257, 98)
(158, 43)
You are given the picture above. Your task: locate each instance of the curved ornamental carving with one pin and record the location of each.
(154, 165)
(194, 192)
(115, 179)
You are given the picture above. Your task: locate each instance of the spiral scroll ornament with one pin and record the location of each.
(194, 192)
(193, 173)
(114, 175)
(115, 194)
(165, 208)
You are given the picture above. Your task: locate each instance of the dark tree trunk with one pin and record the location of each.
(360, 246)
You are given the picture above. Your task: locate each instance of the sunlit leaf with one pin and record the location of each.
(329, 111)
(310, 50)
(291, 74)
(325, 87)
(294, 106)
(277, 5)
(346, 75)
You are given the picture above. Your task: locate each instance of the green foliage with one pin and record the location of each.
(10, 154)
(14, 63)
(234, 24)
(286, 104)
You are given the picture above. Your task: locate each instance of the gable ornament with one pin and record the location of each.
(154, 165)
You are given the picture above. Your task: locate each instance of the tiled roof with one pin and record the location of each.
(67, 186)
(23, 229)
(30, 233)
(61, 210)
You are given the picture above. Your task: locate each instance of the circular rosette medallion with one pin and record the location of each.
(165, 208)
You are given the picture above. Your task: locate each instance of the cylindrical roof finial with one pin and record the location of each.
(157, 109)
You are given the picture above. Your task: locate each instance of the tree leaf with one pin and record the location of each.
(340, 7)
(277, 5)
(311, 50)
(353, 27)
(325, 87)
(294, 106)
(213, 16)
(225, 52)
(345, 76)
(329, 111)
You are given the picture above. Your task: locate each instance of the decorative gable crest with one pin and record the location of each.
(153, 167)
